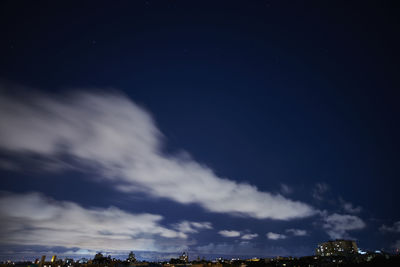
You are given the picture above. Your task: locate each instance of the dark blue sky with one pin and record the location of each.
(267, 93)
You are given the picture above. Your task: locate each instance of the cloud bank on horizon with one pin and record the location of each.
(32, 219)
(121, 139)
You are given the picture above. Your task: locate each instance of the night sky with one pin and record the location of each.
(221, 128)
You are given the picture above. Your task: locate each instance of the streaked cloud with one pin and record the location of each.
(349, 207)
(229, 233)
(338, 225)
(319, 190)
(245, 235)
(395, 228)
(293, 232)
(32, 219)
(192, 227)
(249, 236)
(297, 232)
(285, 189)
(120, 140)
(275, 236)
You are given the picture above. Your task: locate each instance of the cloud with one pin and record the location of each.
(395, 228)
(319, 190)
(349, 207)
(192, 227)
(297, 232)
(32, 219)
(233, 233)
(229, 233)
(275, 236)
(8, 165)
(294, 232)
(121, 142)
(337, 225)
(285, 189)
(249, 236)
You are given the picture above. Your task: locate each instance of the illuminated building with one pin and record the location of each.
(337, 248)
(184, 257)
(53, 259)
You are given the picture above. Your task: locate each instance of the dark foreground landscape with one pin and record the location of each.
(367, 259)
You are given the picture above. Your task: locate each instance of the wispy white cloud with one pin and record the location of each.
(249, 236)
(192, 227)
(349, 207)
(297, 232)
(245, 235)
(285, 189)
(395, 228)
(120, 139)
(229, 233)
(293, 232)
(275, 236)
(338, 225)
(319, 190)
(32, 219)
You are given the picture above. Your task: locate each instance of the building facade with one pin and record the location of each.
(337, 248)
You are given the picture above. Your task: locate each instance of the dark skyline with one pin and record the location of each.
(252, 128)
